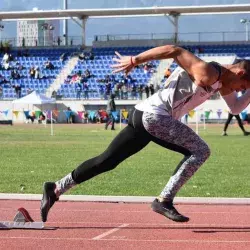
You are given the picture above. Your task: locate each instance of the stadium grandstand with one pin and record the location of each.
(81, 76)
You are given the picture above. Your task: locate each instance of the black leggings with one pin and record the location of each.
(230, 117)
(129, 141)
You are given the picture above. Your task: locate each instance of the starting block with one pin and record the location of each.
(21, 225)
(22, 220)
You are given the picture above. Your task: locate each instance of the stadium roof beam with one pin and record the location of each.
(82, 13)
(174, 11)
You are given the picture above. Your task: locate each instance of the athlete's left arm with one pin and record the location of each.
(237, 103)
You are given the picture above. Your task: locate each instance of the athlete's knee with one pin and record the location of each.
(204, 152)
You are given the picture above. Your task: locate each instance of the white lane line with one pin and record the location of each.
(177, 225)
(128, 211)
(129, 240)
(98, 237)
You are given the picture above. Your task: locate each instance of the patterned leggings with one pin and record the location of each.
(143, 128)
(180, 138)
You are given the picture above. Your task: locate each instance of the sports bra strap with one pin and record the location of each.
(217, 66)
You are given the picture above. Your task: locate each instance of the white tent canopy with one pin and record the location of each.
(34, 98)
(37, 99)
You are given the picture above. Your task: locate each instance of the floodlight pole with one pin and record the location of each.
(246, 23)
(1, 30)
(82, 25)
(65, 23)
(174, 19)
(247, 36)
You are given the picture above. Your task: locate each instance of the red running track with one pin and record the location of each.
(89, 225)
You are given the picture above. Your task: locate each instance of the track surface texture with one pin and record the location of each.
(98, 225)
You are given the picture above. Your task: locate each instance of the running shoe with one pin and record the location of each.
(167, 209)
(48, 200)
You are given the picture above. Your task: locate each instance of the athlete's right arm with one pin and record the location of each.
(237, 103)
(201, 73)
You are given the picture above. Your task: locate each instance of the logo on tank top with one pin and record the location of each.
(206, 90)
(183, 91)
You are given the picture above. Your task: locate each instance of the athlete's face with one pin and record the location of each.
(240, 85)
(238, 82)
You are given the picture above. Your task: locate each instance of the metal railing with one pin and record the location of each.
(225, 36)
(43, 42)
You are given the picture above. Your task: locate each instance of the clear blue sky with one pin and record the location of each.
(147, 25)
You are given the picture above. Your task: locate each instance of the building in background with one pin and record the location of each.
(38, 32)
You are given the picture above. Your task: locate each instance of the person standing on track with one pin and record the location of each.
(240, 123)
(156, 119)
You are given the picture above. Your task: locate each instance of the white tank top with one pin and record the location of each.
(179, 97)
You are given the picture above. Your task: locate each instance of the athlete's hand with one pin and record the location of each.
(124, 63)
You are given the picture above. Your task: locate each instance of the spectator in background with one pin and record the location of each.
(124, 90)
(54, 94)
(86, 90)
(32, 72)
(82, 56)
(41, 118)
(78, 91)
(49, 65)
(18, 90)
(18, 66)
(6, 65)
(133, 91)
(37, 73)
(111, 107)
(86, 117)
(116, 90)
(71, 117)
(14, 74)
(167, 73)
(11, 58)
(229, 118)
(91, 56)
(140, 91)
(5, 58)
(59, 41)
(146, 88)
(152, 89)
(101, 91)
(31, 116)
(87, 73)
(3, 80)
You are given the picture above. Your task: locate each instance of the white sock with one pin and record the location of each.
(64, 185)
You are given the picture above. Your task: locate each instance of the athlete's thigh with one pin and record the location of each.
(172, 134)
(127, 142)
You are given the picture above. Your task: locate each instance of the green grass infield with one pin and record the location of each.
(31, 156)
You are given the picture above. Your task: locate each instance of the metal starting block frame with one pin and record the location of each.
(22, 220)
(21, 225)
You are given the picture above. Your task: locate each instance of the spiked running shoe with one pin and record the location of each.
(167, 209)
(48, 200)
